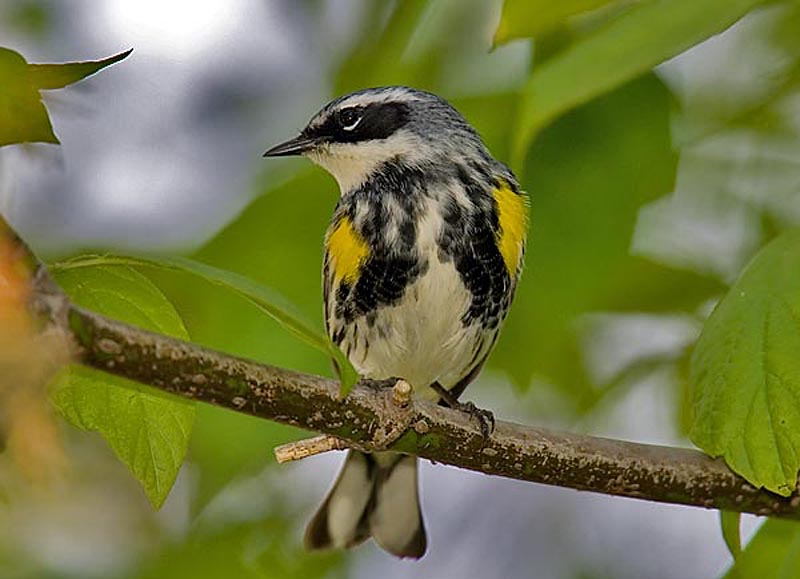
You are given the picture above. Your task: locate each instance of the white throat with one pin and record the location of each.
(349, 171)
(352, 163)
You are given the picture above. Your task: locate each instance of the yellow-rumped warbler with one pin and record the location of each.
(422, 258)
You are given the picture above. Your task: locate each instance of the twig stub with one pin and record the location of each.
(308, 447)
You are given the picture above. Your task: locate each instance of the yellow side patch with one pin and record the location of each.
(347, 251)
(512, 209)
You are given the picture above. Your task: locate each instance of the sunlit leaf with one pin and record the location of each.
(265, 298)
(745, 371)
(532, 18)
(146, 429)
(639, 39)
(149, 431)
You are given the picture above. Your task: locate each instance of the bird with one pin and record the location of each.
(421, 262)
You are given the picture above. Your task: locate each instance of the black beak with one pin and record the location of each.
(297, 146)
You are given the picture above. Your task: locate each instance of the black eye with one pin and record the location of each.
(349, 118)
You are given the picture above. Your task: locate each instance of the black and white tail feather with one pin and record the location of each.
(375, 495)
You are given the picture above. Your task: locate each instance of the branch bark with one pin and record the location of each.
(370, 419)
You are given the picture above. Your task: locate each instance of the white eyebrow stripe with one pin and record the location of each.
(363, 100)
(393, 95)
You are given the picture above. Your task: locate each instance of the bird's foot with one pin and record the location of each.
(484, 417)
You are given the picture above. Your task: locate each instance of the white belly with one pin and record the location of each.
(422, 338)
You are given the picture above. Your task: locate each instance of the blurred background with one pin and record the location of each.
(647, 202)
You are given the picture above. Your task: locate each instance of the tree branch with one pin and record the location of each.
(369, 418)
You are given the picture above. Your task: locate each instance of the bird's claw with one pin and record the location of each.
(484, 417)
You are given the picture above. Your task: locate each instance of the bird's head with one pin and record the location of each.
(354, 135)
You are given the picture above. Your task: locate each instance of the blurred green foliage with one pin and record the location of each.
(630, 44)
(731, 531)
(584, 207)
(265, 548)
(539, 18)
(32, 17)
(774, 553)
(600, 140)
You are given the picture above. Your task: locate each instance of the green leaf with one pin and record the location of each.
(147, 430)
(773, 553)
(745, 371)
(55, 76)
(120, 292)
(731, 524)
(532, 18)
(266, 299)
(638, 40)
(23, 116)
